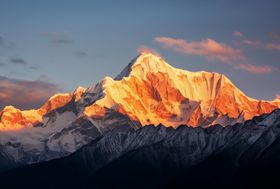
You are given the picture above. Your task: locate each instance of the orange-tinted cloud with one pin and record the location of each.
(25, 94)
(277, 96)
(257, 69)
(209, 48)
(144, 49)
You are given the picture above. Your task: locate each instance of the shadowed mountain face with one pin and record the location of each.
(5, 162)
(242, 155)
(147, 92)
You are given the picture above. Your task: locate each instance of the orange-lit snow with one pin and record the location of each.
(152, 92)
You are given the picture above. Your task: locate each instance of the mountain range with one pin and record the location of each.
(238, 156)
(151, 116)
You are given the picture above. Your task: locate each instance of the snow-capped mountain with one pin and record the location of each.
(148, 91)
(15, 119)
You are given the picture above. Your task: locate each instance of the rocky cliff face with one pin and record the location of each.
(147, 92)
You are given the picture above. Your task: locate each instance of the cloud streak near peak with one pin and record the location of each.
(257, 69)
(144, 49)
(221, 52)
(273, 46)
(209, 48)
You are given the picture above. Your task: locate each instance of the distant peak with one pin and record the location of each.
(79, 90)
(10, 108)
(57, 95)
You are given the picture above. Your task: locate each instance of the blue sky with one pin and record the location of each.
(62, 44)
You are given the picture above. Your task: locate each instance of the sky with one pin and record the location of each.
(50, 46)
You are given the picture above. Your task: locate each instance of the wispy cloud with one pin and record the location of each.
(144, 49)
(273, 46)
(277, 96)
(221, 52)
(18, 61)
(262, 45)
(57, 38)
(210, 48)
(256, 68)
(25, 94)
(275, 35)
(252, 43)
(238, 34)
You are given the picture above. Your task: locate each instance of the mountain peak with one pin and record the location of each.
(79, 89)
(150, 61)
(10, 108)
(144, 63)
(148, 54)
(78, 92)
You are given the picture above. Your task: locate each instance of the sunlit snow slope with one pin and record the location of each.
(151, 91)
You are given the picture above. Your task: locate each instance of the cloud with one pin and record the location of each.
(214, 50)
(260, 44)
(209, 48)
(273, 46)
(238, 34)
(18, 61)
(244, 40)
(252, 43)
(257, 69)
(277, 96)
(25, 94)
(57, 38)
(144, 49)
(275, 35)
